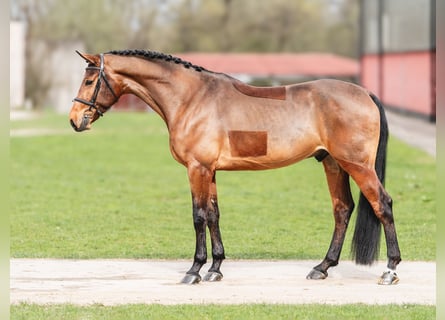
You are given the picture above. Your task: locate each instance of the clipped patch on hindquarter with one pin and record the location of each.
(248, 143)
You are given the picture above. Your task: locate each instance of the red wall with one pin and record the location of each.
(407, 80)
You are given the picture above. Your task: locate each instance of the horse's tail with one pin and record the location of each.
(366, 240)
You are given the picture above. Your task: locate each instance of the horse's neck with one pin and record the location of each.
(149, 96)
(164, 90)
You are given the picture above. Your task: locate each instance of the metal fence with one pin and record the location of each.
(398, 25)
(398, 52)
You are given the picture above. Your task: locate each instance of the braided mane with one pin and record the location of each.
(152, 55)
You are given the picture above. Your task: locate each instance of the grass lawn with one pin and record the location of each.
(116, 192)
(256, 312)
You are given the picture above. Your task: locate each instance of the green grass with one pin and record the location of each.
(116, 192)
(257, 312)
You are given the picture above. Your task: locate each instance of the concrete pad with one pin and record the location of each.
(114, 282)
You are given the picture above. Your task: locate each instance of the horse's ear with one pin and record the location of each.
(94, 59)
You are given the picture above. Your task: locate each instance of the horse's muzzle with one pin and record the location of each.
(83, 125)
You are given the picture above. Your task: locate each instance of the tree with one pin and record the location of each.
(248, 25)
(343, 35)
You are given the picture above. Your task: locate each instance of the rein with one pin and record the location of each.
(92, 102)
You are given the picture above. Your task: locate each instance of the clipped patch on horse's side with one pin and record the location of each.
(277, 93)
(248, 143)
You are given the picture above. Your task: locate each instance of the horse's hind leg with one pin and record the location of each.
(381, 203)
(343, 205)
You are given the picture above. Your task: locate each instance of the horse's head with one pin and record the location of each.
(97, 93)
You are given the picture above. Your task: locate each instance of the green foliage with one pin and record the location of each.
(97, 23)
(195, 25)
(116, 192)
(256, 311)
(260, 26)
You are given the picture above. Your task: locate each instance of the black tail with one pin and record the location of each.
(366, 240)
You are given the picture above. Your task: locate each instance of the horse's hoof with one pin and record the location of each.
(388, 278)
(316, 275)
(191, 278)
(213, 276)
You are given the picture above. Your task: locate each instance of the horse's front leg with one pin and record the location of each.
(200, 258)
(205, 212)
(214, 274)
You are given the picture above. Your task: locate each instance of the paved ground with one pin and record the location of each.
(414, 131)
(112, 282)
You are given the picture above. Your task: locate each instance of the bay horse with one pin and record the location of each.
(216, 122)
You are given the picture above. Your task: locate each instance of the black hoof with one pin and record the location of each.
(316, 275)
(213, 276)
(388, 278)
(191, 278)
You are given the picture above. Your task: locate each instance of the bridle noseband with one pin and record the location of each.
(92, 102)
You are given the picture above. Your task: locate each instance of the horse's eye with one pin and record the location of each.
(88, 82)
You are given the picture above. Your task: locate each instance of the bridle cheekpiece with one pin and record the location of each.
(102, 76)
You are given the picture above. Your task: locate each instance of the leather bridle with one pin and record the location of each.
(102, 76)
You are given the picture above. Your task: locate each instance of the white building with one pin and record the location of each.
(17, 64)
